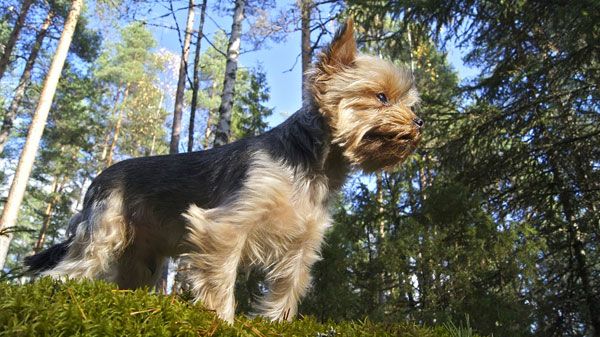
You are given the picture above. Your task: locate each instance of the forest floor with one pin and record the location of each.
(51, 308)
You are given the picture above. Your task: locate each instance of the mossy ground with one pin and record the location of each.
(51, 308)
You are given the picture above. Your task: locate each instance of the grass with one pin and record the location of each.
(74, 308)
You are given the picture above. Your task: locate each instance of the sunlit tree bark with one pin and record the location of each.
(223, 130)
(177, 114)
(196, 84)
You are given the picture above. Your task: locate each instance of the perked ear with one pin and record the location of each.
(342, 50)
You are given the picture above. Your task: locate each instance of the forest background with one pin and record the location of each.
(494, 218)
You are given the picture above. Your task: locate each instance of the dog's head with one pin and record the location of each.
(367, 102)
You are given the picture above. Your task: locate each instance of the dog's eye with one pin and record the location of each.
(382, 98)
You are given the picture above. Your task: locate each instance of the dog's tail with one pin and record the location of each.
(48, 258)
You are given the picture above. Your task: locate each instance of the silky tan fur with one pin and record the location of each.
(345, 85)
(261, 202)
(277, 223)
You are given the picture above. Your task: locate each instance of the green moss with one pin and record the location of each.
(72, 308)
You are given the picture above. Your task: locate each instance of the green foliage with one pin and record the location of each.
(129, 70)
(86, 41)
(51, 308)
(127, 60)
(144, 131)
(529, 145)
(459, 331)
(495, 216)
(5, 29)
(249, 112)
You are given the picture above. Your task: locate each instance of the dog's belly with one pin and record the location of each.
(164, 237)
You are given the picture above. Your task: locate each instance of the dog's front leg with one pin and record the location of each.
(217, 247)
(288, 281)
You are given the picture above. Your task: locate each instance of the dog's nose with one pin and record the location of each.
(418, 121)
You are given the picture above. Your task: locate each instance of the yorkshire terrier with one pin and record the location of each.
(257, 202)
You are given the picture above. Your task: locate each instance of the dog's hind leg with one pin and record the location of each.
(100, 238)
(138, 267)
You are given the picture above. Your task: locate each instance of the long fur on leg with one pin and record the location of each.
(98, 242)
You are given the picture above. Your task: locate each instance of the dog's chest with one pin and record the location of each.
(278, 209)
(290, 210)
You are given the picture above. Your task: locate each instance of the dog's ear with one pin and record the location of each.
(342, 50)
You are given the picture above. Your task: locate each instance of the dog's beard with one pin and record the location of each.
(382, 147)
(385, 151)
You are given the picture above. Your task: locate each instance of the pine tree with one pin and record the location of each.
(519, 140)
(249, 112)
(127, 68)
(14, 36)
(11, 113)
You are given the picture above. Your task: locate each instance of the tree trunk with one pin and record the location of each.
(14, 36)
(196, 86)
(381, 298)
(410, 48)
(306, 7)
(57, 187)
(38, 122)
(176, 130)
(113, 114)
(208, 132)
(223, 130)
(113, 144)
(581, 266)
(160, 103)
(81, 196)
(9, 116)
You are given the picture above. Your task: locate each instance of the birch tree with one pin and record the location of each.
(179, 95)
(196, 83)
(223, 130)
(306, 10)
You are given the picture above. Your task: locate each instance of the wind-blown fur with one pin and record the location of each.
(260, 202)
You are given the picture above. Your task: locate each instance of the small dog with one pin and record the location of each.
(259, 202)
